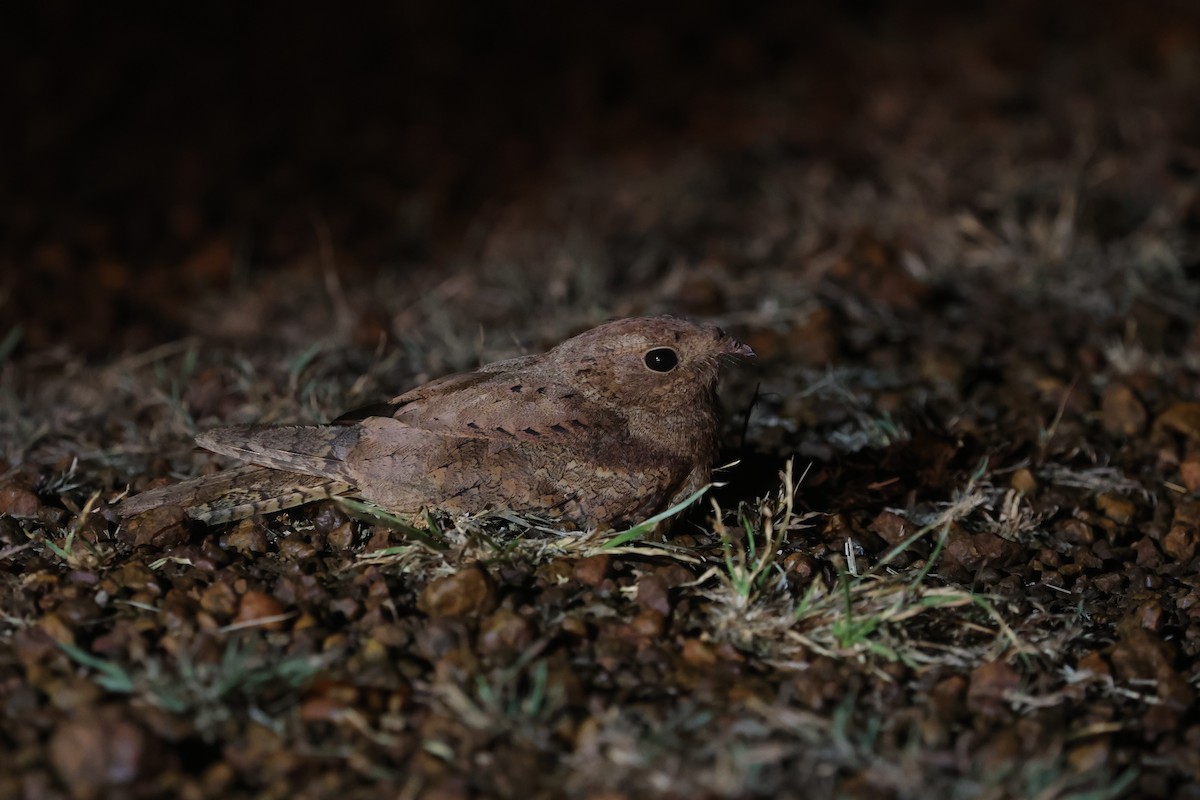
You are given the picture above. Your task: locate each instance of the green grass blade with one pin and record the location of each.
(9, 344)
(372, 513)
(113, 677)
(642, 528)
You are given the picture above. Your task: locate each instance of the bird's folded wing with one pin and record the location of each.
(510, 408)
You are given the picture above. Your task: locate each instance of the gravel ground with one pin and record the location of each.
(957, 553)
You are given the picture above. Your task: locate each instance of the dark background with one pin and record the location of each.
(156, 151)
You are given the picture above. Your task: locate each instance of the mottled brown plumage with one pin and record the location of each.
(609, 427)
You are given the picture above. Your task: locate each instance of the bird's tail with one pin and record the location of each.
(236, 494)
(317, 450)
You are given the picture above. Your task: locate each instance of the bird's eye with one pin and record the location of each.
(662, 359)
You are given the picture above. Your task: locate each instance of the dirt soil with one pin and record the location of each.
(957, 555)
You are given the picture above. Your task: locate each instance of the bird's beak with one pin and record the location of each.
(742, 349)
(737, 348)
(732, 346)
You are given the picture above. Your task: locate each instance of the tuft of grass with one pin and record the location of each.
(867, 427)
(906, 616)
(519, 702)
(112, 676)
(1094, 480)
(1054, 779)
(877, 613)
(175, 386)
(751, 604)
(208, 693)
(750, 565)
